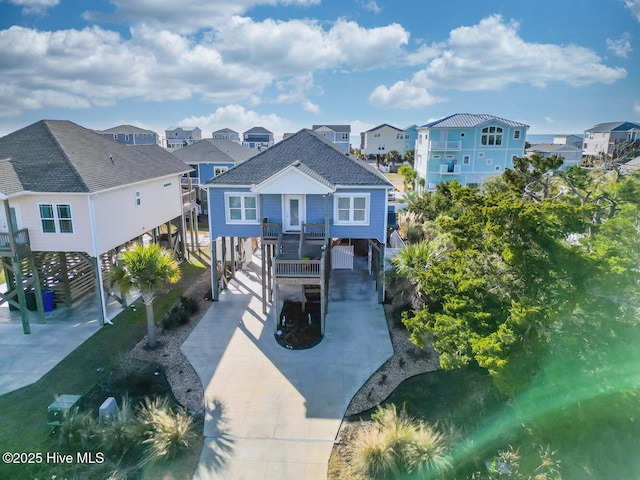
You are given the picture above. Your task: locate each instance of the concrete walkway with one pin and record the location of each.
(24, 359)
(272, 412)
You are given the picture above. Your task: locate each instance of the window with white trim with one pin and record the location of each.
(56, 218)
(351, 209)
(516, 134)
(138, 198)
(491, 136)
(466, 160)
(218, 170)
(241, 208)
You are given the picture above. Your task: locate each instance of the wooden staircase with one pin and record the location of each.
(290, 246)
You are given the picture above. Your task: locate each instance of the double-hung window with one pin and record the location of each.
(351, 209)
(241, 208)
(56, 218)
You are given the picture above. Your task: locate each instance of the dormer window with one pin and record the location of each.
(491, 136)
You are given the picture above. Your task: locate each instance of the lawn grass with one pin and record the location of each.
(23, 413)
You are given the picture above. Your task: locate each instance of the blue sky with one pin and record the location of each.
(559, 66)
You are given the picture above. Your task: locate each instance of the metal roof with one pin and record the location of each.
(471, 120)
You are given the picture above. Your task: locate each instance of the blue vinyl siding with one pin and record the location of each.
(377, 214)
(271, 207)
(205, 170)
(217, 220)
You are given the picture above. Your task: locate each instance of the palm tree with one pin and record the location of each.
(148, 269)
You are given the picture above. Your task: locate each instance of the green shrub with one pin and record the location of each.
(175, 317)
(190, 304)
(167, 432)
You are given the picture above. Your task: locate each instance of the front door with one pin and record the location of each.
(293, 213)
(15, 218)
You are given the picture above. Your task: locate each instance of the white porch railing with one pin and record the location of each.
(446, 146)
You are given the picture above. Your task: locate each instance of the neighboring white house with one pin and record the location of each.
(339, 135)
(71, 198)
(571, 155)
(382, 140)
(605, 137)
(226, 134)
(178, 137)
(467, 147)
(573, 140)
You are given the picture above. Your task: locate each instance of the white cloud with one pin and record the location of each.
(34, 7)
(402, 95)
(238, 62)
(636, 107)
(491, 55)
(240, 119)
(298, 46)
(634, 6)
(185, 16)
(371, 5)
(620, 47)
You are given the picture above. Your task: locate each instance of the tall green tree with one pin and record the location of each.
(148, 269)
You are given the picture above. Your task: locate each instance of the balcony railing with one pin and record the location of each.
(298, 268)
(313, 232)
(188, 200)
(21, 239)
(449, 169)
(271, 231)
(446, 146)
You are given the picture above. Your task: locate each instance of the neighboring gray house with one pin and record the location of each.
(130, 135)
(226, 134)
(257, 137)
(339, 135)
(178, 137)
(604, 138)
(571, 155)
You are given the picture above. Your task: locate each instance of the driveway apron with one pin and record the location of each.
(271, 412)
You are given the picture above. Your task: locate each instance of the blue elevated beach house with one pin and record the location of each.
(311, 207)
(467, 147)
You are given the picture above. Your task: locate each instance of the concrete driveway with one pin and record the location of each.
(24, 359)
(272, 412)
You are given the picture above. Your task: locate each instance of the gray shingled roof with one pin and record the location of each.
(216, 150)
(470, 120)
(335, 128)
(258, 130)
(614, 126)
(225, 130)
(552, 147)
(315, 154)
(127, 129)
(60, 156)
(9, 180)
(384, 125)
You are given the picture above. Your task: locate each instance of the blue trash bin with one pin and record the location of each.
(47, 299)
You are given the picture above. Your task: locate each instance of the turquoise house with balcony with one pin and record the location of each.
(311, 208)
(470, 148)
